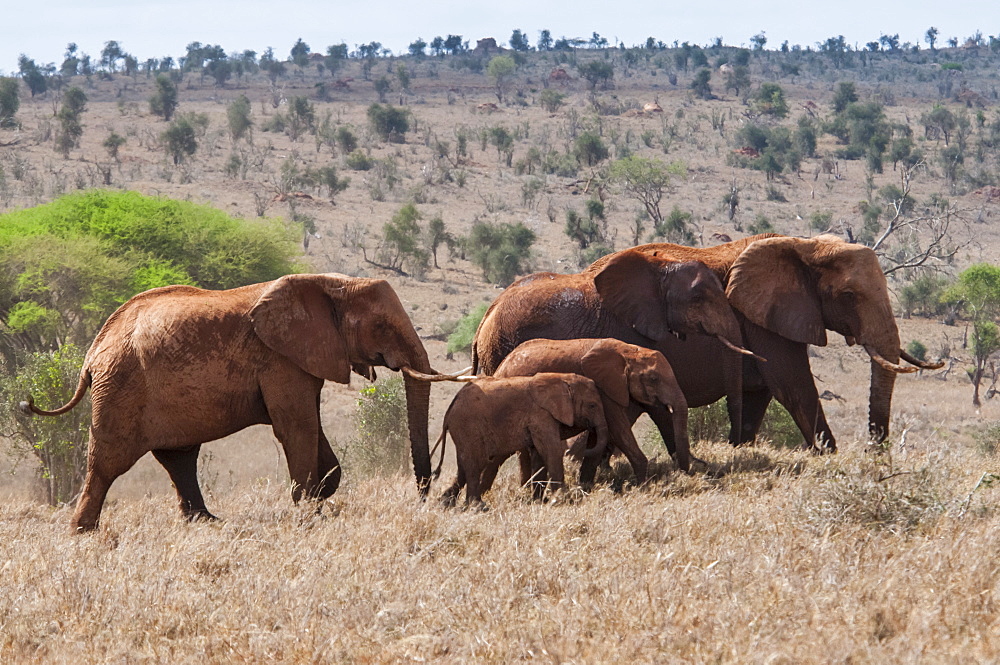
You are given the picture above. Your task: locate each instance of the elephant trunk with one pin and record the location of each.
(885, 354)
(418, 397)
(880, 402)
(682, 445)
(732, 374)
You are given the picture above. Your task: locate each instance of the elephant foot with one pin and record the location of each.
(200, 516)
(477, 506)
(699, 461)
(448, 500)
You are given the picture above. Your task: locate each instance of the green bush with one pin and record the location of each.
(589, 149)
(179, 139)
(917, 349)
(389, 122)
(66, 265)
(359, 161)
(711, 423)
(10, 101)
(164, 101)
(500, 250)
(382, 440)
(59, 445)
(460, 340)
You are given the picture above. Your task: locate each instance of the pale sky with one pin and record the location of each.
(155, 28)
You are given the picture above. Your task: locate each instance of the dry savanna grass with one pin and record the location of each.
(768, 555)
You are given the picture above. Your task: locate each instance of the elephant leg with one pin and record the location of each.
(678, 444)
(102, 470)
(328, 469)
(298, 432)
(790, 380)
(450, 495)
(182, 466)
(755, 404)
(473, 489)
(549, 447)
(621, 436)
(490, 475)
(532, 473)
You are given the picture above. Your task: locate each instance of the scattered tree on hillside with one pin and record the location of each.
(501, 70)
(70, 128)
(164, 101)
(978, 293)
(10, 102)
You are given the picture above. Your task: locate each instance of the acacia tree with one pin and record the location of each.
(501, 71)
(164, 101)
(978, 292)
(9, 101)
(70, 127)
(645, 180)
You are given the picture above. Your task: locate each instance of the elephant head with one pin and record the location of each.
(800, 288)
(659, 297)
(329, 324)
(627, 372)
(572, 400)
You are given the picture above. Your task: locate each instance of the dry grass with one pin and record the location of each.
(773, 556)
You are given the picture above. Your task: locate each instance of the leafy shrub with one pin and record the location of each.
(500, 250)
(711, 423)
(164, 101)
(388, 122)
(674, 228)
(917, 349)
(359, 161)
(589, 149)
(460, 339)
(59, 445)
(551, 100)
(382, 440)
(84, 254)
(401, 241)
(770, 100)
(924, 295)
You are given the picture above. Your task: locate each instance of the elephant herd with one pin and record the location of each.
(651, 329)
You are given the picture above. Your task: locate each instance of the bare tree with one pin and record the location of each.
(912, 241)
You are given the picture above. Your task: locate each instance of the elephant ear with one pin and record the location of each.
(606, 367)
(771, 284)
(630, 285)
(554, 395)
(295, 316)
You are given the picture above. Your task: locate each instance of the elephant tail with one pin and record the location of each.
(442, 441)
(28, 406)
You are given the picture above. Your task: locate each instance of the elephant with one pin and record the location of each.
(787, 292)
(631, 380)
(492, 418)
(178, 366)
(640, 298)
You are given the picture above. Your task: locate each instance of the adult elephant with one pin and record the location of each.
(641, 298)
(178, 366)
(787, 293)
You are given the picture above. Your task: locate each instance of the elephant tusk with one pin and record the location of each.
(740, 349)
(461, 376)
(922, 364)
(885, 364)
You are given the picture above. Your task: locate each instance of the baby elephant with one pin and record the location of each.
(631, 380)
(491, 418)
